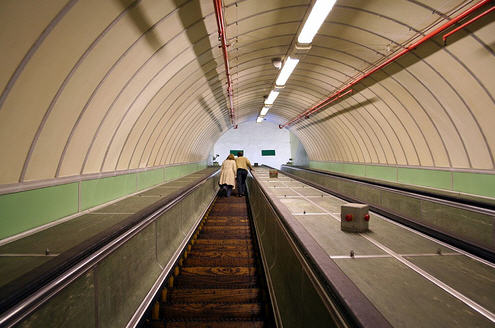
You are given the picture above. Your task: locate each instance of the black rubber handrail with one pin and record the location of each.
(26, 293)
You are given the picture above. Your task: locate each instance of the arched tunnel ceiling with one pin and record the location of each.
(91, 86)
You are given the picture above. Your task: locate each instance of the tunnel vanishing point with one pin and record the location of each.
(102, 100)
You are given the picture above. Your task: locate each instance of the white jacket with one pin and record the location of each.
(228, 173)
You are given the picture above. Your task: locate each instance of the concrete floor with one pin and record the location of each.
(412, 279)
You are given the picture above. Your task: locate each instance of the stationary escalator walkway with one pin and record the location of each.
(219, 282)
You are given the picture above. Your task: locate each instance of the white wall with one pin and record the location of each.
(299, 155)
(252, 137)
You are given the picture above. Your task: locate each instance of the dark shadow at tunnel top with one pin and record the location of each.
(425, 50)
(209, 111)
(329, 116)
(143, 23)
(193, 21)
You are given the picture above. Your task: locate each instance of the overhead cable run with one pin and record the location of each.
(223, 39)
(347, 88)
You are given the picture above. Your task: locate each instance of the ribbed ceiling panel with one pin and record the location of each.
(91, 86)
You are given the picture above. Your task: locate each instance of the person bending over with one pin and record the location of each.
(228, 174)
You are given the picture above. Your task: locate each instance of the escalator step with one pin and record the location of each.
(226, 228)
(218, 284)
(224, 235)
(215, 253)
(216, 277)
(223, 242)
(216, 324)
(212, 311)
(222, 248)
(220, 260)
(234, 218)
(238, 295)
(228, 221)
(211, 233)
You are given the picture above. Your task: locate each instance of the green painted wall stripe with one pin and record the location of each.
(149, 178)
(99, 191)
(28, 209)
(381, 172)
(481, 184)
(426, 178)
(475, 183)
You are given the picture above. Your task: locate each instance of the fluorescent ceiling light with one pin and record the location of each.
(259, 119)
(286, 71)
(315, 19)
(264, 110)
(271, 97)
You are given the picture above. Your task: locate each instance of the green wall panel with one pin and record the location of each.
(475, 183)
(354, 169)
(99, 191)
(482, 184)
(175, 172)
(381, 172)
(171, 172)
(149, 178)
(25, 210)
(427, 178)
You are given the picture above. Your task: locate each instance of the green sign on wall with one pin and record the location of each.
(235, 151)
(268, 152)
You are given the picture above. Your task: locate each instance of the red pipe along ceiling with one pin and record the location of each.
(223, 39)
(466, 24)
(345, 90)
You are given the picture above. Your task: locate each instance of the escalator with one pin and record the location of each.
(219, 281)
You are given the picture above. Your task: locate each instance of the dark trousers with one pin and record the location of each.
(241, 181)
(228, 189)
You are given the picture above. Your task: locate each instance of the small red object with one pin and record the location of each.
(348, 217)
(367, 217)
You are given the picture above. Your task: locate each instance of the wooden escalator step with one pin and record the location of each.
(220, 260)
(217, 285)
(222, 248)
(198, 251)
(215, 324)
(228, 221)
(224, 235)
(216, 277)
(212, 311)
(226, 228)
(223, 242)
(239, 295)
(223, 218)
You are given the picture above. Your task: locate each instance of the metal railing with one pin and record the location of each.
(21, 297)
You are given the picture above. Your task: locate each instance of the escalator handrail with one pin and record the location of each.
(22, 296)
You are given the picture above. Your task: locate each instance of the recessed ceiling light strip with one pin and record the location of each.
(344, 90)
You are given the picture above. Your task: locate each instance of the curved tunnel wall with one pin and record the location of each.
(102, 87)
